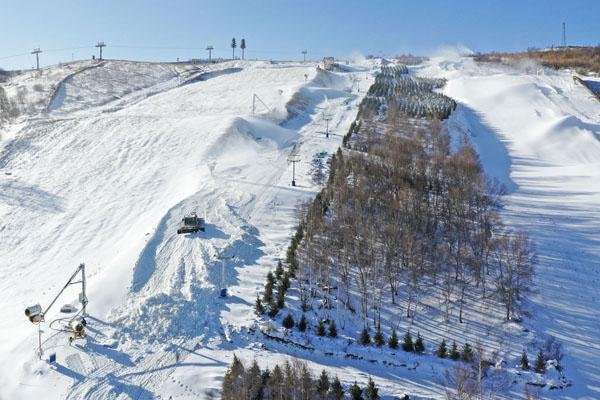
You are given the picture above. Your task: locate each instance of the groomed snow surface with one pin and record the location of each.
(538, 132)
(105, 176)
(121, 151)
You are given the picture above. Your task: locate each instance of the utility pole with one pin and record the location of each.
(327, 118)
(100, 45)
(564, 35)
(304, 52)
(293, 159)
(210, 49)
(37, 57)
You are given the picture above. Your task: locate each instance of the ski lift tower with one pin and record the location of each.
(293, 159)
(223, 258)
(100, 45)
(327, 118)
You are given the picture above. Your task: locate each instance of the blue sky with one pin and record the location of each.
(168, 29)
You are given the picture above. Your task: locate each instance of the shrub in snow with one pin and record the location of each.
(288, 321)
(332, 329)
(393, 340)
(364, 337)
(407, 342)
(302, 325)
(540, 363)
(467, 353)
(321, 328)
(442, 351)
(419, 345)
(553, 351)
(378, 338)
(454, 353)
(524, 363)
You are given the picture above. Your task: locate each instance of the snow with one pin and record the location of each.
(107, 181)
(539, 133)
(126, 149)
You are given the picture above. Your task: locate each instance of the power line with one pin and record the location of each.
(123, 46)
(14, 56)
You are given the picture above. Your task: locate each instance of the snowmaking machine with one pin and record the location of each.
(191, 223)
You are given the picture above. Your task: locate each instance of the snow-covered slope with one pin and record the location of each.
(538, 132)
(105, 180)
(127, 148)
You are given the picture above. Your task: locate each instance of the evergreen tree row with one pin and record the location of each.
(290, 381)
(273, 298)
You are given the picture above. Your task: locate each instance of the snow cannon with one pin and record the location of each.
(34, 313)
(77, 326)
(191, 223)
(223, 292)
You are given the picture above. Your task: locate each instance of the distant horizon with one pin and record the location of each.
(154, 31)
(458, 49)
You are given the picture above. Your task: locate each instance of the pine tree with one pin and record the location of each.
(524, 363)
(371, 391)
(323, 383)
(275, 382)
(268, 294)
(233, 46)
(467, 353)
(280, 296)
(320, 328)
(454, 353)
(407, 343)
(393, 340)
(332, 329)
(253, 381)
(302, 325)
(419, 345)
(285, 280)
(364, 337)
(233, 378)
(273, 310)
(243, 47)
(540, 363)
(259, 309)
(336, 391)
(378, 338)
(279, 270)
(442, 351)
(288, 321)
(355, 392)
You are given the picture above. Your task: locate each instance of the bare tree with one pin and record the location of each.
(514, 269)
